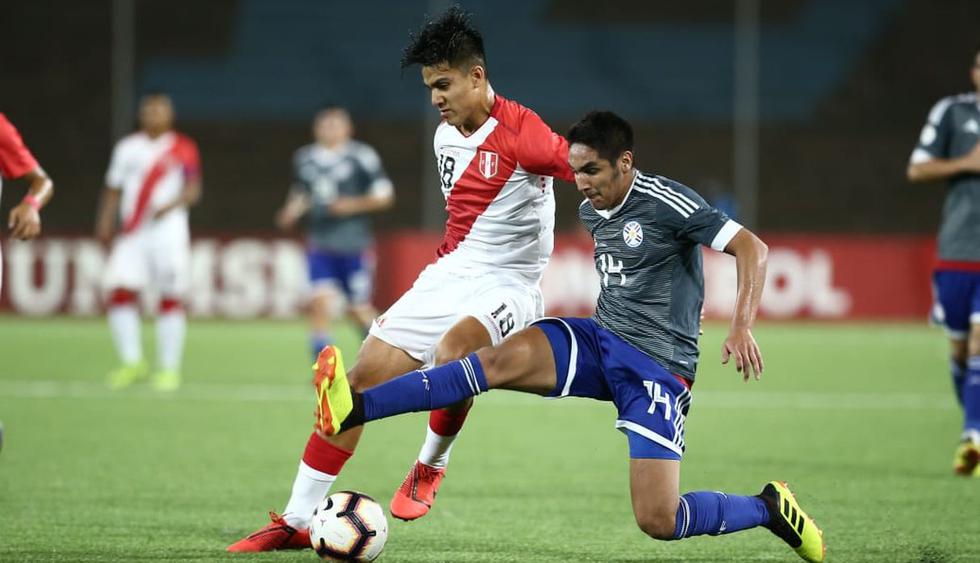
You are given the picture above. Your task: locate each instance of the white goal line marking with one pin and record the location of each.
(294, 393)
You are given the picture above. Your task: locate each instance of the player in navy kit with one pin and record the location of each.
(949, 149)
(337, 183)
(638, 351)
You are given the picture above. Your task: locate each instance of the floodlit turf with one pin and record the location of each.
(858, 418)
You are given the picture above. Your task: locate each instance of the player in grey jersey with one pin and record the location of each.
(649, 260)
(949, 150)
(639, 351)
(337, 183)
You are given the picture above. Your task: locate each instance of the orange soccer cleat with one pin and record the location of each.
(273, 536)
(418, 492)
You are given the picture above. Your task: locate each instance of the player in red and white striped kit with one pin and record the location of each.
(153, 178)
(496, 161)
(17, 162)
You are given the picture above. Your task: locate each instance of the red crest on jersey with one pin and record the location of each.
(488, 164)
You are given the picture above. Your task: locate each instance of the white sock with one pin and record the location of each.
(309, 488)
(436, 449)
(124, 321)
(171, 327)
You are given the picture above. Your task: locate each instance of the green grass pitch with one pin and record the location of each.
(859, 418)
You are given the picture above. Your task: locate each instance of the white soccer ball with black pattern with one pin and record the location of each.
(348, 526)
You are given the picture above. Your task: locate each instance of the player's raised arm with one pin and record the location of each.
(750, 261)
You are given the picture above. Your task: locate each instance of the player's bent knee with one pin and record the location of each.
(505, 363)
(657, 525)
(360, 379)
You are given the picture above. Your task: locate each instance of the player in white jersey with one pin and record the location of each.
(496, 161)
(153, 178)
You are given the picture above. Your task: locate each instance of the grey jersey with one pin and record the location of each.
(648, 256)
(323, 175)
(952, 130)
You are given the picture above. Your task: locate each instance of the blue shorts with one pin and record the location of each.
(593, 362)
(348, 273)
(958, 296)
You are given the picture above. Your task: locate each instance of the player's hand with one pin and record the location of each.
(24, 222)
(344, 207)
(741, 346)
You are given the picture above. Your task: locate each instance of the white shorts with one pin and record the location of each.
(150, 257)
(504, 304)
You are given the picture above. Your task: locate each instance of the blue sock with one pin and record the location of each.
(958, 371)
(971, 395)
(426, 390)
(318, 341)
(708, 512)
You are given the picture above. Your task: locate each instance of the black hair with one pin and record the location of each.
(147, 94)
(451, 38)
(605, 132)
(329, 106)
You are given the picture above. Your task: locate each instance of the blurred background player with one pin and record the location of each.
(338, 182)
(640, 349)
(17, 162)
(154, 176)
(949, 150)
(496, 160)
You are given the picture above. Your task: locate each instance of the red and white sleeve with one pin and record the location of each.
(542, 151)
(15, 159)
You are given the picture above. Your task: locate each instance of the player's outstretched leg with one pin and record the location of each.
(791, 524)
(273, 536)
(339, 408)
(334, 398)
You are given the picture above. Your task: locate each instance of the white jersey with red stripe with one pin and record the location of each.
(151, 172)
(498, 188)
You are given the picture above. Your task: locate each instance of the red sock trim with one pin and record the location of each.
(120, 296)
(445, 422)
(324, 456)
(169, 305)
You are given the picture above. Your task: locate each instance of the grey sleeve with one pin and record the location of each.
(300, 184)
(378, 183)
(692, 218)
(934, 137)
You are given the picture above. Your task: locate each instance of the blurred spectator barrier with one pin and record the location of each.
(810, 277)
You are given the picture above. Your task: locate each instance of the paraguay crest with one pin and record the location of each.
(632, 234)
(488, 163)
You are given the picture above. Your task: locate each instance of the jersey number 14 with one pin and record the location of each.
(609, 265)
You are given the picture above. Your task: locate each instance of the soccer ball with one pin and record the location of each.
(349, 526)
